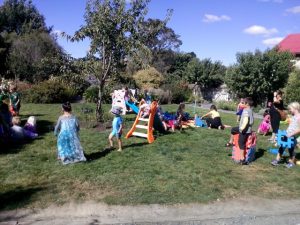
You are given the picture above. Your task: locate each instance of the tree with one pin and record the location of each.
(21, 16)
(292, 89)
(34, 56)
(148, 78)
(114, 29)
(258, 74)
(205, 73)
(162, 41)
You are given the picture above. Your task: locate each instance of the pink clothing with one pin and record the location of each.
(265, 125)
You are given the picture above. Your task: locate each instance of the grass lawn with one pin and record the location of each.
(182, 167)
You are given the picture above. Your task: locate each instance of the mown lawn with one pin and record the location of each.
(183, 167)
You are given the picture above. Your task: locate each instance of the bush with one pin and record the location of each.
(91, 94)
(50, 91)
(226, 105)
(148, 78)
(292, 89)
(163, 96)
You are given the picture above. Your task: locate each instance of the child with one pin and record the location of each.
(117, 127)
(240, 109)
(180, 116)
(145, 108)
(244, 129)
(15, 102)
(214, 118)
(265, 125)
(293, 130)
(68, 143)
(30, 127)
(17, 132)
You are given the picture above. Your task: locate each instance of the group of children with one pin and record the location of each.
(10, 122)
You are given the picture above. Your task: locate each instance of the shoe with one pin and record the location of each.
(290, 165)
(119, 150)
(275, 162)
(244, 162)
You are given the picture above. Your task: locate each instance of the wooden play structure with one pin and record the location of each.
(147, 123)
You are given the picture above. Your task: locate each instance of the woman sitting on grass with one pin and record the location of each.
(68, 144)
(213, 118)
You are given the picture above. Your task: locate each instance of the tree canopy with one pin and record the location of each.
(258, 74)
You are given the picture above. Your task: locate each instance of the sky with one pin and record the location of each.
(215, 29)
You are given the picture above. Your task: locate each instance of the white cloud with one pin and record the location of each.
(272, 41)
(260, 30)
(294, 10)
(209, 18)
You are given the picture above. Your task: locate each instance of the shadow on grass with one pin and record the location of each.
(17, 198)
(298, 156)
(44, 127)
(260, 153)
(97, 155)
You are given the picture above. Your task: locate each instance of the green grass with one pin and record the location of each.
(182, 167)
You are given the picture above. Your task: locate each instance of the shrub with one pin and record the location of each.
(50, 91)
(292, 89)
(148, 78)
(226, 105)
(91, 94)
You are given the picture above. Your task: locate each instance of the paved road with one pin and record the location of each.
(232, 212)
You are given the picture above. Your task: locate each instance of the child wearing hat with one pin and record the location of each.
(117, 126)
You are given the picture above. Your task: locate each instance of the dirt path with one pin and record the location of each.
(243, 211)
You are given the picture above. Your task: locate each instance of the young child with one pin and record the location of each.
(117, 127)
(265, 125)
(293, 130)
(17, 132)
(15, 102)
(68, 143)
(240, 108)
(145, 108)
(244, 129)
(214, 118)
(30, 127)
(180, 116)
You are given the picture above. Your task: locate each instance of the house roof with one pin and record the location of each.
(290, 43)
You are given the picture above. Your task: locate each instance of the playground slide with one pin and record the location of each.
(157, 122)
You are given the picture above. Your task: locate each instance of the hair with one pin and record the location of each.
(67, 107)
(294, 105)
(213, 107)
(279, 92)
(31, 120)
(249, 101)
(16, 120)
(266, 112)
(181, 107)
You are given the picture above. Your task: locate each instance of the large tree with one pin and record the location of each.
(205, 73)
(114, 29)
(20, 16)
(258, 74)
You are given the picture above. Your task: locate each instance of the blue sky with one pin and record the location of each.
(215, 29)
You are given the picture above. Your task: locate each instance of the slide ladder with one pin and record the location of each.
(148, 121)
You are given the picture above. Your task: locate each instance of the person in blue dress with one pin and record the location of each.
(117, 127)
(68, 143)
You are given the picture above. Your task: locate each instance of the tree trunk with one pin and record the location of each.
(99, 110)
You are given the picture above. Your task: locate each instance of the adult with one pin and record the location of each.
(274, 113)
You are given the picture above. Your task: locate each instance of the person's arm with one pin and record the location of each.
(57, 127)
(77, 124)
(244, 124)
(121, 127)
(207, 114)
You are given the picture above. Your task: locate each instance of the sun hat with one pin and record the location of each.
(116, 111)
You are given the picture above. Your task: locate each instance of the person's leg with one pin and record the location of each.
(120, 144)
(275, 122)
(110, 139)
(242, 145)
(234, 131)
